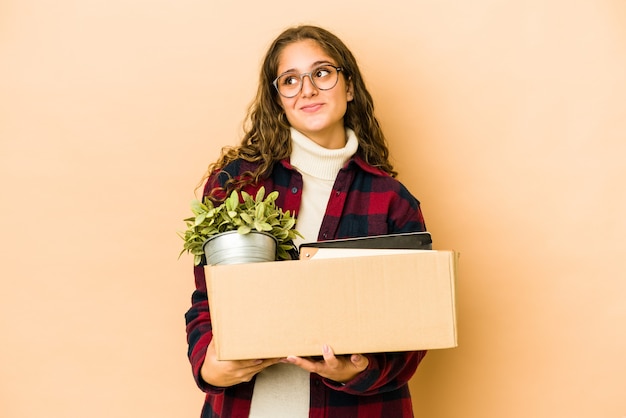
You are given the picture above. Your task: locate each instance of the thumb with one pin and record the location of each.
(359, 361)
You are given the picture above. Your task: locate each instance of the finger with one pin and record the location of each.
(359, 361)
(299, 361)
(271, 362)
(259, 364)
(329, 356)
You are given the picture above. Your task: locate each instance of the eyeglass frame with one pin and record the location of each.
(301, 77)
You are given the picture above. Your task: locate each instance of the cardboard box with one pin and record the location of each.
(359, 304)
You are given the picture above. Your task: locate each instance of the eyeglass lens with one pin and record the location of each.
(324, 78)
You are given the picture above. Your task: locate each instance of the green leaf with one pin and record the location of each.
(200, 218)
(247, 218)
(265, 226)
(233, 201)
(196, 206)
(280, 234)
(260, 194)
(260, 210)
(272, 197)
(289, 223)
(282, 253)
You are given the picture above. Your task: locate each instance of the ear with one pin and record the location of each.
(350, 90)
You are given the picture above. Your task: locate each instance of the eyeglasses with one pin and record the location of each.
(324, 77)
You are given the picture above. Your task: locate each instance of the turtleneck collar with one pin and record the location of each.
(317, 161)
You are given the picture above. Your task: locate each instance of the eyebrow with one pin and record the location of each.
(315, 64)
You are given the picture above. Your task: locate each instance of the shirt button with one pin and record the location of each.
(294, 190)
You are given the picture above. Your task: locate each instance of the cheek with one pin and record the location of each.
(287, 107)
(342, 100)
(286, 104)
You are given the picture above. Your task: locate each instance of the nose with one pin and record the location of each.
(308, 87)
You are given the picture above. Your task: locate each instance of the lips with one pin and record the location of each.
(313, 107)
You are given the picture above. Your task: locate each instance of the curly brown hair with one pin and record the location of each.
(267, 137)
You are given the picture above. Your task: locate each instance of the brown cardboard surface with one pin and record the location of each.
(381, 303)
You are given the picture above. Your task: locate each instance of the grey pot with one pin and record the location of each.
(234, 248)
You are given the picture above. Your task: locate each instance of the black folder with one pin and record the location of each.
(404, 241)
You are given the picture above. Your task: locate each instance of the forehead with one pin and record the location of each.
(301, 56)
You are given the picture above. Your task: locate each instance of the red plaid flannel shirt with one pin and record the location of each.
(365, 201)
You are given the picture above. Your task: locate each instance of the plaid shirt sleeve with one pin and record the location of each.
(365, 201)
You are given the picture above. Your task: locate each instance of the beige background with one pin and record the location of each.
(506, 118)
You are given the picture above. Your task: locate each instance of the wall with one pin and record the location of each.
(506, 119)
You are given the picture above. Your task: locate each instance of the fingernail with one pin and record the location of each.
(325, 349)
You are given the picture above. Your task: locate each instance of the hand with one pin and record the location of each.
(340, 369)
(226, 373)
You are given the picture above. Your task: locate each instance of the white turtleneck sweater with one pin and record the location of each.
(319, 167)
(282, 390)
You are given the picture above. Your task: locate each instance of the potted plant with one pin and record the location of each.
(241, 229)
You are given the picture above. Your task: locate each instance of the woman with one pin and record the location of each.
(312, 136)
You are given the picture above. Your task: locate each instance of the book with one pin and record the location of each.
(368, 245)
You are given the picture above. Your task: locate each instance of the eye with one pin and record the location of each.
(289, 80)
(322, 72)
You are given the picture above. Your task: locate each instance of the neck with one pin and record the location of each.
(332, 139)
